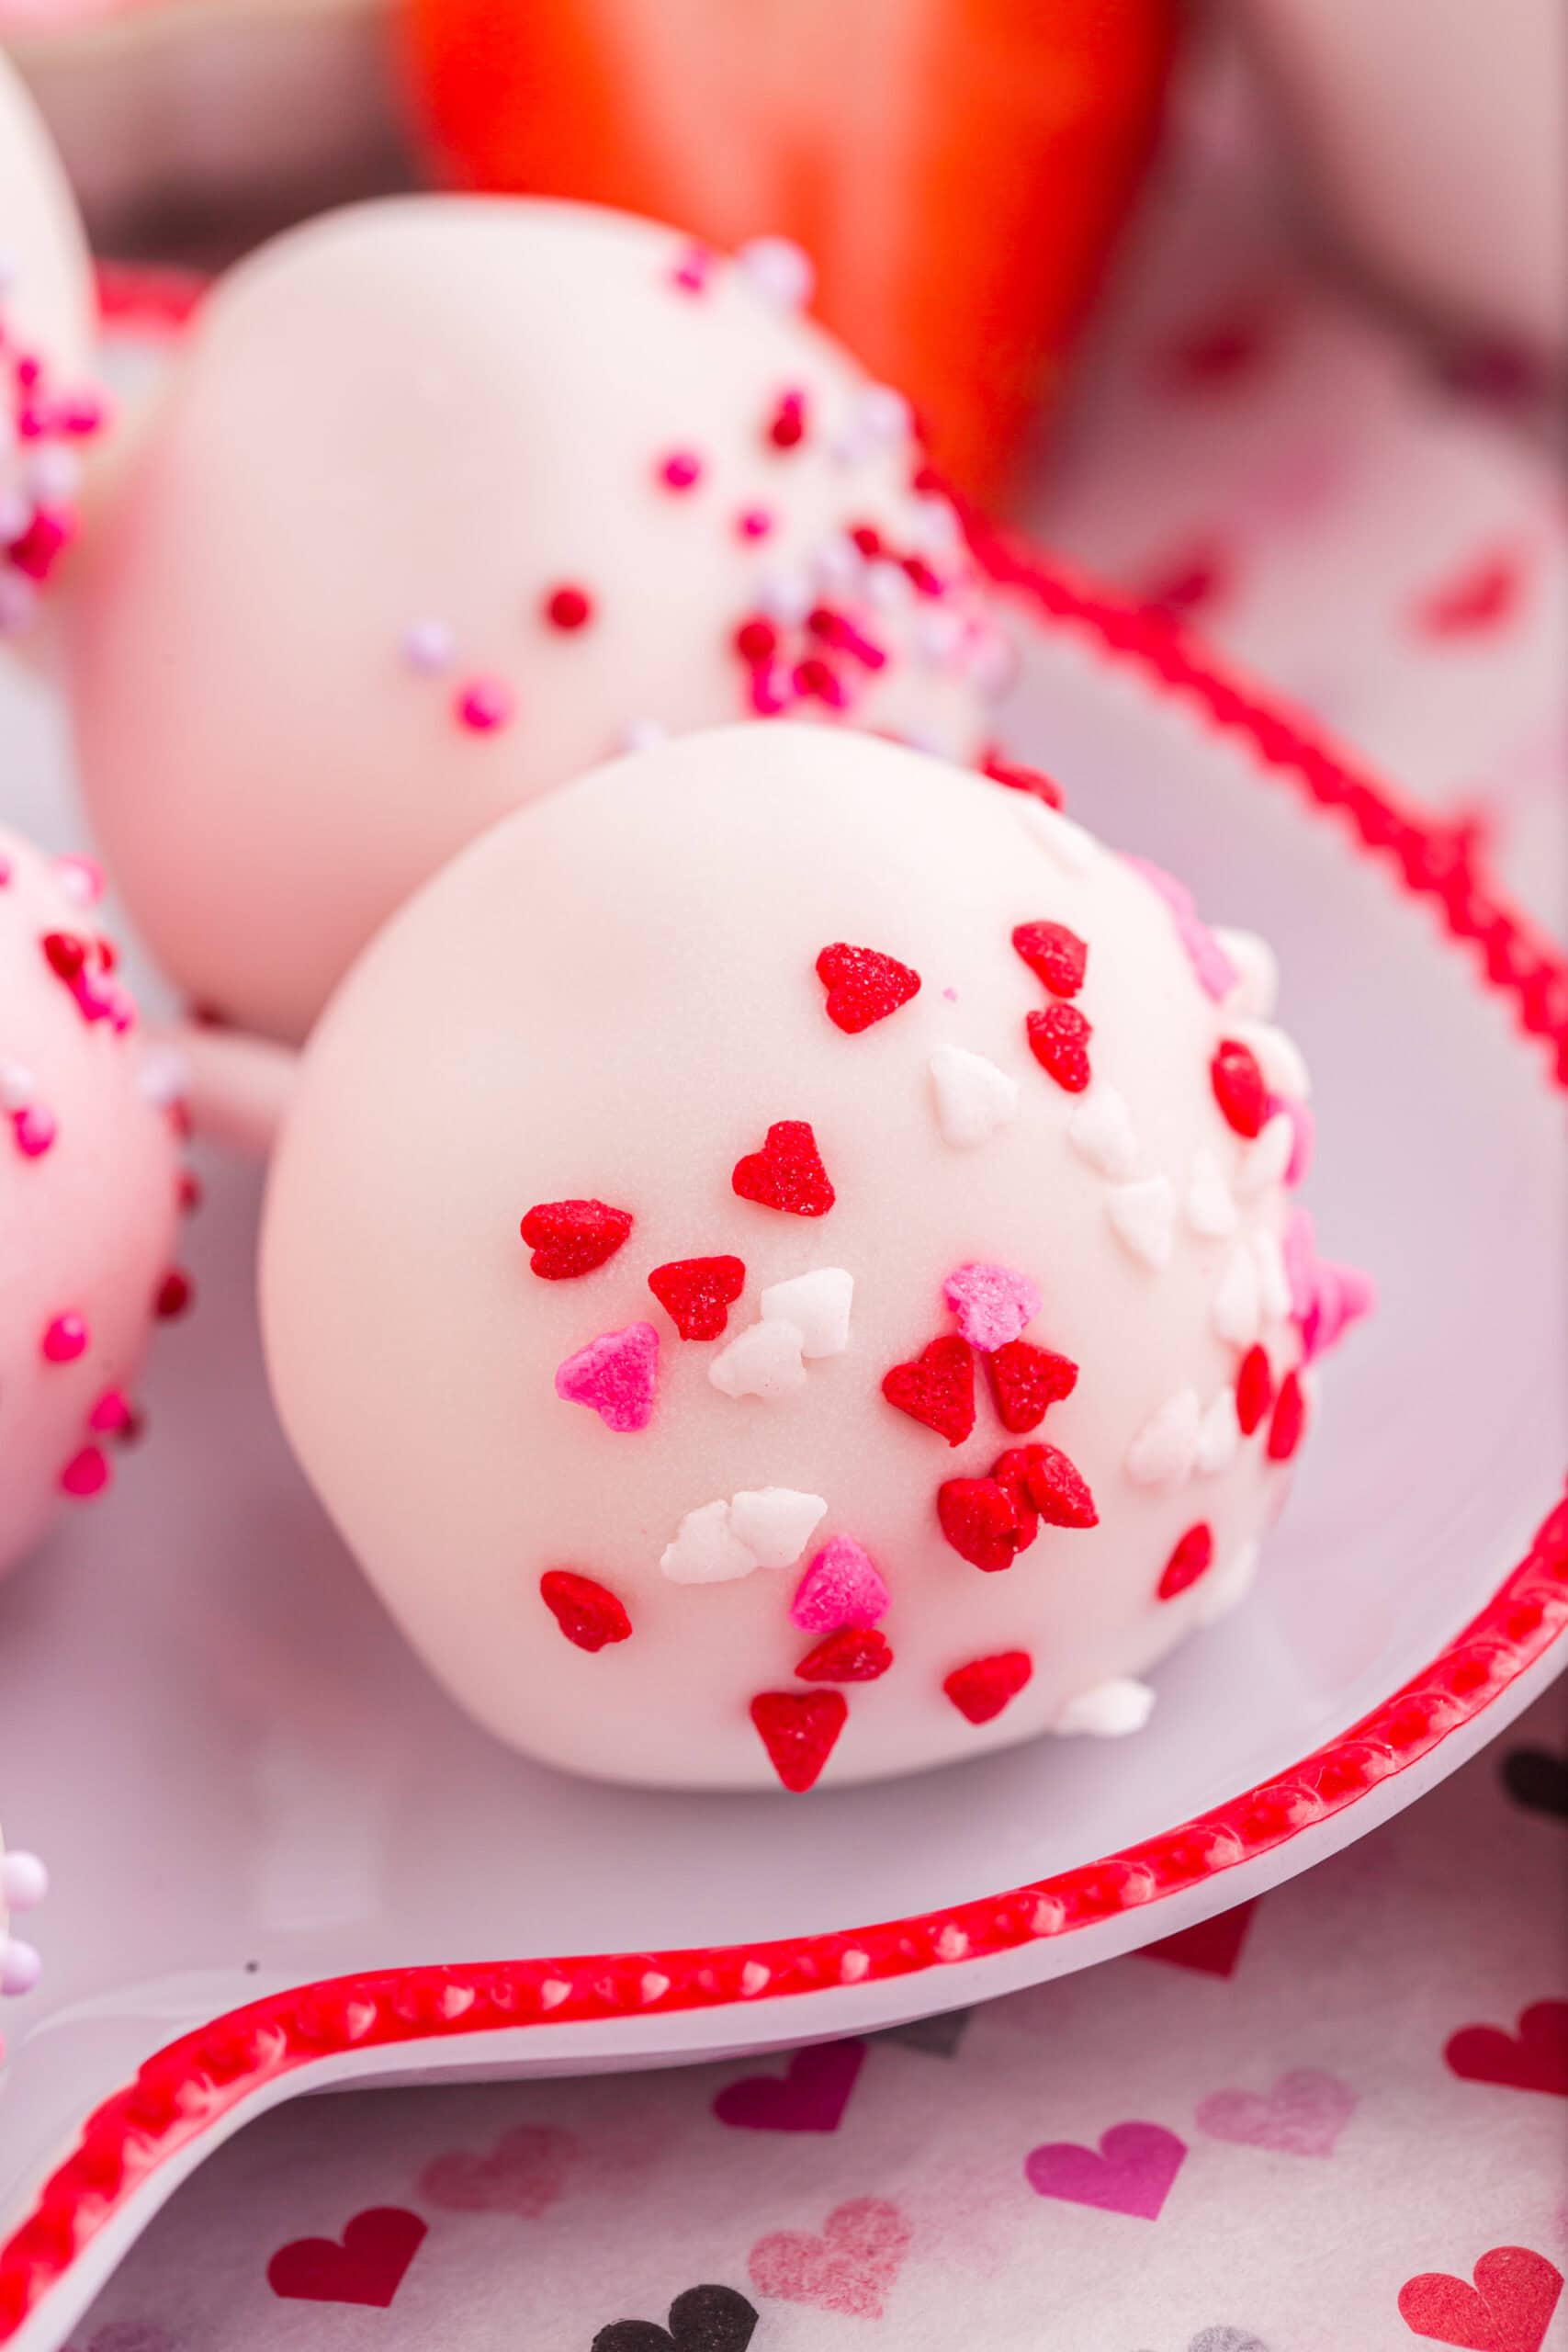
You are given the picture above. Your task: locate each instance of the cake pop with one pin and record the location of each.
(447, 500)
(90, 1185)
(47, 409)
(777, 1266)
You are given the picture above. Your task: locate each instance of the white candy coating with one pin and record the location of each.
(389, 440)
(614, 998)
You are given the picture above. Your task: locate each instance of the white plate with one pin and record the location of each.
(245, 1784)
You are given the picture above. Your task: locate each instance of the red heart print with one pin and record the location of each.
(524, 2173)
(853, 1654)
(1536, 2060)
(367, 2264)
(1193, 1556)
(698, 1292)
(984, 1687)
(851, 2268)
(1211, 1947)
(799, 1733)
(938, 1388)
(1131, 2172)
(1053, 953)
(810, 2095)
(1026, 1381)
(1239, 1090)
(787, 1173)
(1480, 598)
(587, 1614)
(1508, 2309)
(571, 1237)
(1058, 1039)
(863, 986)
(1018, 778)
(981, 1522)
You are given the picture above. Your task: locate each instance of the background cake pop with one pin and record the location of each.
(90, 1181)
(448, 499)
(47, 406)
(781, 1266)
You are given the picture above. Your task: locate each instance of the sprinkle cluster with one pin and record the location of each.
(1025, 1490)
(42, 429)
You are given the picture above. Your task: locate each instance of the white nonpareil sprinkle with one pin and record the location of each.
(778, 271)
(1278, 1056)
(1211, 1204)
(774, 1523)
(1236, 1308)
(706, 1550)
(1266, 1157)
(1110, 1711)
(1143, 1217)
(1164, 1451)
(764, 1361)
(1219, 1435)
(1224, 1586)
(1101, 1130)
(1257, 992)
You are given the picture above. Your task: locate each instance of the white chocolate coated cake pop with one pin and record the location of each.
(448, 499)
(90, 1185)
(47, 410)
(781, 1267)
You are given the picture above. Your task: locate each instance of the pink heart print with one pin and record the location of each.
(524, 2173)
(1133, 2171)
(1302, 2115)
(851, 2268)
(810, 2096)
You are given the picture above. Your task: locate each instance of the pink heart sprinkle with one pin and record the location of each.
(1215, 973)
(841, 1587)
(992, 1304)
(615, 1375)
(1303, 1133)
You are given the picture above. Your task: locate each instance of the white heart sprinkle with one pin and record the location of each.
(1257, 992)
(165, 1078)
(642, 734)
(1236, 1308)
(1224, 1587)
(885, 414)
(1164, 1451)
(786, 594)
(1219, 1435)
(973, 1098)
(1144, 1218)
(1074, 850)
(779, 272)
(818, 1304)
(1273, 1282)
(17, 1086)
(1266, 1157)
(774, 1523)
(1101, 1130)
(1278, 1056)
(1110, 1711)
(1211, 1204)
(706, 1550)
(764, 1361)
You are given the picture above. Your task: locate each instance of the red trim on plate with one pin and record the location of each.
(185, 2089)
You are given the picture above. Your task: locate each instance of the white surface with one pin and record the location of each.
(241, 1780)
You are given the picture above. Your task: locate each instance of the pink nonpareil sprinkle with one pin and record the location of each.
(484, 706)
(64, 1339)
(614, 1376)
(36, 1130)
(841, 1587)
(683, 470)
(1215, 973)
(993, 1304)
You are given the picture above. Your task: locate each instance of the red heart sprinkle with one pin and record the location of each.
(1011, 1471)
(799, 1732)
(65, 954)
(1025, 1379)
(1288, 1421)
(983, 1687)
(938, 1388)
(1058, 1493)
(571, 1237)
(1238, 1087)
(1058, 1039)
(1053, 953)
(854, 1654)
(787, 1173)
(1018, 778)
(979, 1519)
(698, 1293)
(173, 1296)
(863, 986)
(586, 1613)
(1254, 1390)
(1194, 1553)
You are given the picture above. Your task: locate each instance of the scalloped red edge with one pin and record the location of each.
(183, 2090)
